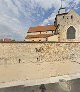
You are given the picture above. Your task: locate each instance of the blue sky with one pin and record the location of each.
(16, 16)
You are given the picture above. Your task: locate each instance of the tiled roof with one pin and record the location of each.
(42, 28)
(38, 36)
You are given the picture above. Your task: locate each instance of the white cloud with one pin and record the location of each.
(7, 7)
(10, 26)
(49, 20)
(48, 3)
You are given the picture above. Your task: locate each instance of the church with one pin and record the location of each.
(66, 28)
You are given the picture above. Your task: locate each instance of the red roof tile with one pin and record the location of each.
(38, 36)
(42, 28)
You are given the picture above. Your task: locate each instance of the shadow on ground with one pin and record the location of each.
(74, 86)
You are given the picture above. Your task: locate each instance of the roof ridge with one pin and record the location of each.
(42, 26)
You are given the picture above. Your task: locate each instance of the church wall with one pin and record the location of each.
(63, 34)
(65, 22)
(65, 19)
(53, 38)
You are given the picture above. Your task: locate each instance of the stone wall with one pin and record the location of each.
(13, 53)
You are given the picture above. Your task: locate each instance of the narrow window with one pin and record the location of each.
(52, 32)
(63, 17)
(46, 39)
(40, 32)
(71, 16)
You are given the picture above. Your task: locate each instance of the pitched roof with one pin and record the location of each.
(38, 36)
(42, 28)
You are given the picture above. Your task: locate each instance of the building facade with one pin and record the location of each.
(66, 28)
(41, 33)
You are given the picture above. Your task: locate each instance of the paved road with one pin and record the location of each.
(74, 87)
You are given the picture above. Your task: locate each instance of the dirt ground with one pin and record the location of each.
(34, 71)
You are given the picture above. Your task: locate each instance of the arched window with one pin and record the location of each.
(71, 33)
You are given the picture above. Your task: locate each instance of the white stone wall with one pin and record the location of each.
(47, 32)
(10, 53)
(34, 33)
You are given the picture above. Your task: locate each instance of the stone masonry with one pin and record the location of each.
(14, 53)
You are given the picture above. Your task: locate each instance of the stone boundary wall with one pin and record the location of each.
(39, 42)
(25, 52)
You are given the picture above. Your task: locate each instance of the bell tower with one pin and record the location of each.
(61, 10)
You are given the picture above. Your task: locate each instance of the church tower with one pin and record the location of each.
(62, 9)
(61, 13)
